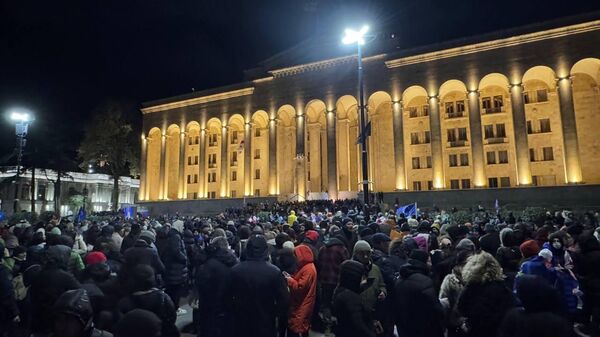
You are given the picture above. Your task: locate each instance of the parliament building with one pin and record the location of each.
(516, 108)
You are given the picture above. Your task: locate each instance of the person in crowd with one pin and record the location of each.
(139, 322)
(353, 317)
(174, 258)
(450, 291)
(258, 293)
(485, 299)
(330, 258)
(303, 292)
(540, 265)
(146, 296)
(142, 253)
(213, 280)
(588, 269)
(9, 311)
(375, 292)
(73, 316)
(509, 256)
(130, 239)
(418, 310)
(490, 242)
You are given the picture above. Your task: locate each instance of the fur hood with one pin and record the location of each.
(482, 268)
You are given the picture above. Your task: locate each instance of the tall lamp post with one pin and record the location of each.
(358, 37)
(21, 120)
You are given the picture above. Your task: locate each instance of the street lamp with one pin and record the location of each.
(358, 37)
(21, 120)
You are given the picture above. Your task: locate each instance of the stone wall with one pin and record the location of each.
(199, 207)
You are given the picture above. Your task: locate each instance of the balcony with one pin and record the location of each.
(494, 110)
(212, 165)
(457, 143)
(495, 140)
(457, 114)
(234, 163)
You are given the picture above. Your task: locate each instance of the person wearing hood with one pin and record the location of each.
(139, 322)
(130, 239)
(146, 296)
(292, 218)
(259, 295)
(213, 279)
(419, 312)
(450, 290)
(47, 286)
(73, 316)
(508, 254)
(142, 253)
(562, 262)
(175, 260)
(303, 292)
(485, 299)
(375, 292)
(490, 242)
(330, 257)
(588, 271)
(354, 319)
(540, 265)
(390, 270)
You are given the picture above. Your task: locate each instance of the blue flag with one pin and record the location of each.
(81, 215)
(407, 210)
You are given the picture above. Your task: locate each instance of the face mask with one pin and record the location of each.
(556, 245)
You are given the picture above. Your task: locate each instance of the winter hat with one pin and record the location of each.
(257, 248)
(361, 246)
(419, 255)
(529, 248)
(178, 226)
(351, 273)
(220, 242)
(94, 257)
(75, 303)
(405, 227)
(421, 241)
(147, 236)
(546, 254)
(288, 245)
(312, 235)
(378, 238)
(413, 223)
(143, 277)
(219, 232)
(334, 229)
(465, 244)
(138, 322)
(55, 231)
(489, 227)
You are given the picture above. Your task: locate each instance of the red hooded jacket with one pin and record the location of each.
(303, 291)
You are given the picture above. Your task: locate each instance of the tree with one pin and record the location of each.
(110, 144)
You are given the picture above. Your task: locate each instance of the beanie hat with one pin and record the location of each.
(361, 246)
(466, 244)
(419, 255)
(55, 230)
(405, 227)
(288, 245)
(489, 227)
(94, 257)
(351, 273)
(413, 223)
(148, 236)
(138, 322)
(546, 254)
(529, 248)
(379, 238)
(312, 235)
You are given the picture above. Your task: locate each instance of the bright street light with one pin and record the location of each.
(353, 36)
(22, 117)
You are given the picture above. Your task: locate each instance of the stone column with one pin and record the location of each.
(248, 159)
(569, 129)
(162, 194)
(520, 126)
(224, 160)
(300, 159)
(202, 164)
(272, 157)
(332, 179)
(143, 191)
(181, 193)
(437, 162)
(397, 108)
(476, 139)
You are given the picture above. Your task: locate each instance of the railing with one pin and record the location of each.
(457, 114)
(495, 140)
(234, 163)
(493, 110)
(457, 143)
(212, 165)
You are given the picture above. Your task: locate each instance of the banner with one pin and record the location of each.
(407, 210)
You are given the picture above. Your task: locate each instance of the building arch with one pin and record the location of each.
(585, 75)
(235, 153)
(153, 159)
(417, 139)
(542, 74)
(172, 162)
(347, 152)
(192, 157)
(315, 147)
(381, 143)
(214, 140)
(260, 153)
(286, 150)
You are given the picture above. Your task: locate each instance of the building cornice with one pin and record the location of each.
(495, 44)
(199, 100)
(319, 65)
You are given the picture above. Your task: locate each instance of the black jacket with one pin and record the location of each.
(418, 310)
(490, 242)
(156, 301)
(259, 293)
(588, 267)
(353, 317)
(213, 279)
(174, 257)
(484, 306)
(142, 253)
(128, 241)
(8, 303)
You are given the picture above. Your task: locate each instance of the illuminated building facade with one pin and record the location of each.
(517, 108)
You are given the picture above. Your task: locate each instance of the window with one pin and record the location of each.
(548, 153)
(529, 128)
(212, 160)
(504, 181)
(212, 195)
(234, 137)
(452, 159)
(545, 125)
(462, 134)
(488, 131)
(257, 193)
(454, 184)
(308, 156)
(190, 139)
(414, 138)
(449, 107)
(233, 175)
(412, 112)
(212, 177)
(465, 183)
(234, 158)
(212, 140)
(526, 98)
(498, 102)
(41, 192)
(257, 132)
(25, 192)
(416, 185)
(464, 159)
(486, 103)
(500, 130)
(233, 193)
(190, 160)
(460, 106)
(428, 161)
(430, 185)
(503, 157)
(257, 174)
(532, 155)
(257, 154)
(492, 182)
(196, 160)
(189, 179)
(416, 163)
(542, 95)
(451, 135)
(197, 140)
(491, 157)
(427, 137)
(195, 178)
(425, 110)
(535, 180)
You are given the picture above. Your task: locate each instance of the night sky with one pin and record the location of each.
(62, 59)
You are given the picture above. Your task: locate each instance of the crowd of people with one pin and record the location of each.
(284, 269)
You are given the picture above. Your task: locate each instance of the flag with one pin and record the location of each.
(407, 210)
(363, 135)
(497, 206)
(81, 215)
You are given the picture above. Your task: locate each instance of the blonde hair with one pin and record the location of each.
(482, 268)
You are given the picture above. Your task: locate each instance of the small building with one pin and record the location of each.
(97, 185)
